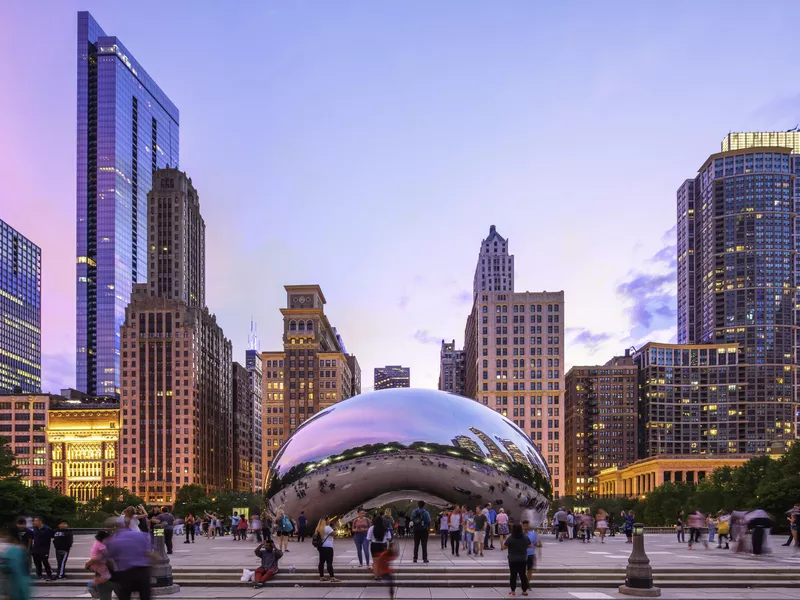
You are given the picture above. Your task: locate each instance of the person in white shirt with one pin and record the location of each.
(455, 532)
(444, 528)
(378, 537)
(324, 534)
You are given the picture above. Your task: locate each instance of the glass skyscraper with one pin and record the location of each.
(737, 281)
(127, 128)
(20, 313)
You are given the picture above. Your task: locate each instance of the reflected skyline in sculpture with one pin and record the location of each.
(431, 442)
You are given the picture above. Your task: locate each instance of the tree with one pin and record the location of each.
(109, 502)
(192, 499)
(7, 468)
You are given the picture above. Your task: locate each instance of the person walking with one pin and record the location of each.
(360, 528)
(256, 527)
(793, 529)
(98, 563)
(188, 526)
(789, 513)
(15, 580)
(680, 527)
(62, 542)
(562, 519)
(481, 524)
(130, 551)
(421, 522)
(40, 550)
(378, 536)
(242, 528)
(530, 563)
(503, 529)
(611, 527)
(469, 531)
(269, 556)
(444, 528)
(455, 532)
(517, 544)
(322, 540)
(167, 522)
(572, 524)
(587, 525)
(712, 528)
(235, 526)
(302, 521)
(266, 526)
(389, 519)
(492, 514)
(723, 529)
(696, 521)
(602, 524)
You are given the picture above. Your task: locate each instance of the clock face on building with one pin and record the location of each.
(302, 301)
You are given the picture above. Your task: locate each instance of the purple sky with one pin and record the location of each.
(367, 147)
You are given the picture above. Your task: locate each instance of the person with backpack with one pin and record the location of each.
(322, 540)
(421, 521)
(283, 529)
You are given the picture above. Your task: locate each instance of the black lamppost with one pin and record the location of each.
(639, 573)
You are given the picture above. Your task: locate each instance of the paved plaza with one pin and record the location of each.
(210, 567)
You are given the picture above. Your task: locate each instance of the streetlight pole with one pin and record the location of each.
(639, 573)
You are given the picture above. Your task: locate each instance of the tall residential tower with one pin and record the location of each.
(127, 128)
(737, 278)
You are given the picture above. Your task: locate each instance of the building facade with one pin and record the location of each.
(127, 128)
(21, 312)
(495, 269)
(643, 476)
(177, 268)
(600, 422)
(392, 376)
(254, 371)
(83, 447)
(23, 423)
(743, 289)
(177, 409)
(515, 365)
(311, 372)
(452, 369)
(242, 397)
(355, 374)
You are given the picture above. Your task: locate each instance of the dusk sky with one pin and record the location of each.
(368, 146)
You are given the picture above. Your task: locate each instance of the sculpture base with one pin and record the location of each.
(164, 590)
(652, 592)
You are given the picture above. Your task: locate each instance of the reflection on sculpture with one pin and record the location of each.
(438, 444)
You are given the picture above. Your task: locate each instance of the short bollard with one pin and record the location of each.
(639, 573)
(161, 574)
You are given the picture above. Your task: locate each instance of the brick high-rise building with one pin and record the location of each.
(600, 423)
(392, 376)
(452, 369)
(177, 408)
(310, 374)
(20, 313)
(514, 352)
(737, 281)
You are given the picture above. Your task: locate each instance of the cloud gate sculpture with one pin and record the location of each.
(386, 446)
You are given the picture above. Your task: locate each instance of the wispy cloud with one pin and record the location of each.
(462, 298)
(402, 302)
(423, 336)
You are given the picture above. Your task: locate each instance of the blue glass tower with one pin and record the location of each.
(127, 128)
(20, 313)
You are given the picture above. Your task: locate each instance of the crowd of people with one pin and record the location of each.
(120, 557)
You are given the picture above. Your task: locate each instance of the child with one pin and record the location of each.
(99, 586)
(62, 542)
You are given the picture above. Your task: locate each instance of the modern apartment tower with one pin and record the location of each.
(600, 422)
(392, 376)
(738, 260)
(514, 352)
(21, 312)
(253, 365)
(452, 369)
(177, 406)
(242, 439)
(127, 128)
(311, 373)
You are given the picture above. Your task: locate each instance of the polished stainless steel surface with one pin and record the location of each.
(407, 441)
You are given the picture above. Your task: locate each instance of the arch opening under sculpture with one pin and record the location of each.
(408, 444)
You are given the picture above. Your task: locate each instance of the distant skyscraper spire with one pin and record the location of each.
(252, 339)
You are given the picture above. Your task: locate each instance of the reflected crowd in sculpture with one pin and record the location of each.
(380, 447)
